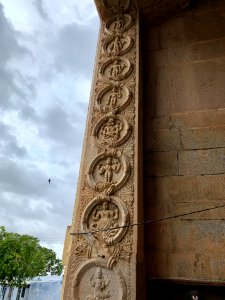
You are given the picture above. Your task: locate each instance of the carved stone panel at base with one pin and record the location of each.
(93, 281)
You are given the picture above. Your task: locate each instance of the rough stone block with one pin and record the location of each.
(167, 57)
(195, 52)
(201, 162)
(197, 251)
(172, 33)
(204, 25)
(161, 122)
(207, 50)
(204, 118)
(203, 138)
(161, 164)
(153, 39)
(163, 140)
(188, 87)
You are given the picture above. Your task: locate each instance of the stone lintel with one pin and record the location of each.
(151, 11)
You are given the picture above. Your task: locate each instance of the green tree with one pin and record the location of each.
(22, 258)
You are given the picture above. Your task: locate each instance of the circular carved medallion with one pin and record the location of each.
(116, 69)
(93, 281)
(112, 130)
(108, 171)
(105, 217)
(113, 98)
(117, 45)
(118, 24)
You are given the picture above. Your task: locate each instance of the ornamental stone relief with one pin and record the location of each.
(113, 98)
(118, 24)
(106, 218)
(116, 69)
(118, 45)
(100, 264)
(112, 130)
(108, 171)
(100, 283)
(94, 281)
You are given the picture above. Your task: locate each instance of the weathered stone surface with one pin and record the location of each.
(199, 51)
(184, 88)
(205, 25)
(201, 162)
(185, 189)
(204, 118)
(193, 119)
(154, 10)
(161, 164)
(164, 140)
(66, 246)
(208, 49)
(196, 250)
(185, 266)
(203, 138)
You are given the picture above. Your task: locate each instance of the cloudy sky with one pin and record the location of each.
(46, 61)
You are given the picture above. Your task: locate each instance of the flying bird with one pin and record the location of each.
(49, 180)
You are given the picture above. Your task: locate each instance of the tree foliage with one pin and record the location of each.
(22, 258)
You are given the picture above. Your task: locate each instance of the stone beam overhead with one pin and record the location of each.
(105, 256)
(153, 10)
(150, 10)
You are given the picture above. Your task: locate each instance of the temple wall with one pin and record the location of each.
(184, 141)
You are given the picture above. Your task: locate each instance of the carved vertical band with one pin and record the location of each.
(102, 261)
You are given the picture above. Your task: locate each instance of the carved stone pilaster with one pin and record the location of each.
(103, 262)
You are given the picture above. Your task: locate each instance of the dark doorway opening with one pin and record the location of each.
(167, 290)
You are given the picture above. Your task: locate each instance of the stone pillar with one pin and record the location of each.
(105, 256)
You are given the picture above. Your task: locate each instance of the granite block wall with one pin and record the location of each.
(184, 144)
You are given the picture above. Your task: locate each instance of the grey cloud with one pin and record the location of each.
(40, 8)
(58, 125)
(17, 179)
(74, 48)
(22, 207)
(16, 93)
(5, 88)
(9, 44)
(12, 83)
(9, 144)
(14, 150)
